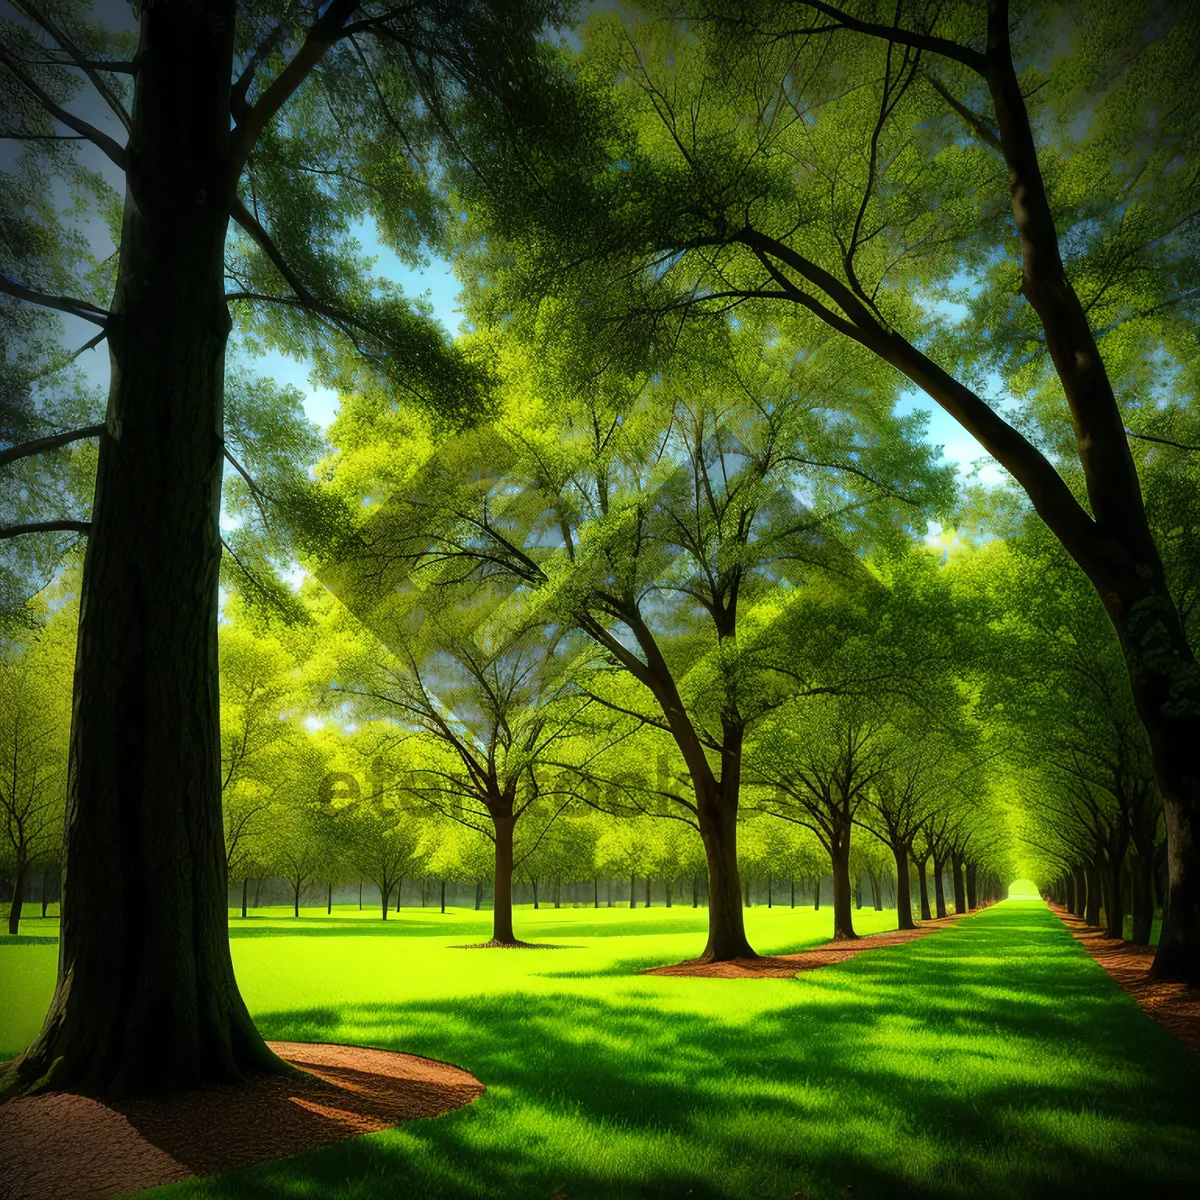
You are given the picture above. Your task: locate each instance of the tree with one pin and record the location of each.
(34, 717)
(672, 520)
(484, 692)
(288, 122)
(727, 120)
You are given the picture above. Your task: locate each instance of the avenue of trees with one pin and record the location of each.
(631, 580)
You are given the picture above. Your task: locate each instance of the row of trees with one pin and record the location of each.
(697, 264)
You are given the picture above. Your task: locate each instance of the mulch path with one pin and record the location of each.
(62, 1144)
(787, 966)
(1175, 1006)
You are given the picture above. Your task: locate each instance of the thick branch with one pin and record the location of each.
(324, 32)
(93, 135)
(64, 526)
(67, 304)
(41, 445)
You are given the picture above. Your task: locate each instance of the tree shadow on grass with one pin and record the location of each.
(990, 1061)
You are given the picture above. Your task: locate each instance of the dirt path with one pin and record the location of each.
(62, 1144)
(787, 966)
(1175, 1006)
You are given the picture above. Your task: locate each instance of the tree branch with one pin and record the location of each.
(111, 148)
(63, 526)
(41, 445)
(67, 304)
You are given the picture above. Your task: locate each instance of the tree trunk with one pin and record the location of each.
(385, 900)
(502, 915)
(1142, 900)
(18, 900)
(399, 889)
(329, 900)
(770, 897)
(45, 891)
(478, 894)
(817, 893)
(647, 904)
(923, 887)
(360, 883)
(726, 926)
(632, 892)
(1069, 891)
(535, 893)
(146, 998)
(960, 887)
(972, 893)
(443, 895)
(1081, 889)
(904, 917)
(1092, 914)
(843, 918)
(595, 892)
(296, 899)
(1114, 909)
(245, 892)
(939, 887)
(793, 886)
(667, 887)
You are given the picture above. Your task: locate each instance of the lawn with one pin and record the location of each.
(994, 1059)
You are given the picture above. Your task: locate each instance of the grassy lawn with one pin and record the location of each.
(992, 1060)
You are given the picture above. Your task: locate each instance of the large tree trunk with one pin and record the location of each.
(632, 890)
(245, 896)
(904, 917)
(1142, 900)
(817, 894)
(18, 901)
(972, 894)
(923, 886)
(1069, 890)
(726, 927)
(1114, 907)
(385, 901)
(502, 920)
(146, 998)
(843, 912)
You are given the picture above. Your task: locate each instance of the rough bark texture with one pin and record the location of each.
(939, 887)
(146, 998)
(726, 928)
(843, 912)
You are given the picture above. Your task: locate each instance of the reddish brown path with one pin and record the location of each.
(1175, 1006)
(62, 1144)
(786, 966)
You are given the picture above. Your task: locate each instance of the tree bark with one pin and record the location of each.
(817, 894)
(18, 900)
(843, 913)
(1081, 889)
(1092, 913)
(595, 892)
(443, 895)
(1114, 908)
(960, 887)
(1069, 891)
(939, 887)
(904, 917)
(329, 900)
(923, 882)
(146, 998)
(245, 895)
(726, 927)
(502, 918)
(647, 904)
(632, 891)
(296, 899)
(972, 893)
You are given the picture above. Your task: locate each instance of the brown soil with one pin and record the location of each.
(1175, 1006)
(62, 1144)
(786, 966)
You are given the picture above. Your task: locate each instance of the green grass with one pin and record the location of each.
(994, 1059)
